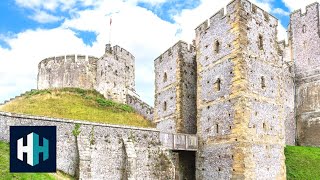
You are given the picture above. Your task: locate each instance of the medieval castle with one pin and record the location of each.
(240, 91)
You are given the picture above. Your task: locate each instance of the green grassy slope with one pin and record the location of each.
(303, 163)
(5, 174)
(74, 103)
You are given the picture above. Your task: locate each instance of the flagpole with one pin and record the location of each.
(110, 30)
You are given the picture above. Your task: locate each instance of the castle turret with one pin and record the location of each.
(305, 47)
(240, 119)
(115, 73)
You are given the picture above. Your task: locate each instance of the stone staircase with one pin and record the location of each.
(11, 99)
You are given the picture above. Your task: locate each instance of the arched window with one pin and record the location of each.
(217, 85)
(216, 47)
(165, 106)
(263, 83)
(260, 42)
(165, 77)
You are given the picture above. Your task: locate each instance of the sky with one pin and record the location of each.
(31, 30)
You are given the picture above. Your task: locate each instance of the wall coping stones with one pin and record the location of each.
(14, 115)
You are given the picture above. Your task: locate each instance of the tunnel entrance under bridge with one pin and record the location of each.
(183, 148)
(185, 164)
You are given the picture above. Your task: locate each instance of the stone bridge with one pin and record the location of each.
(179, 142)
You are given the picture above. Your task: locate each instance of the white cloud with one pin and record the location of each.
(282, 33)
(298, 4)
(18, 66)
(280, 12)
(47, 5)
(44, 17)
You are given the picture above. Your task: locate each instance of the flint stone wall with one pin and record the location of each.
(101, 151)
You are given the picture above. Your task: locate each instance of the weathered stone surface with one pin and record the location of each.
(240, 117)
(305, 46)
(175, 100)
(102, 151)
(67, 71)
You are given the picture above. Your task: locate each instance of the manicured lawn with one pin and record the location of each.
(303, 163)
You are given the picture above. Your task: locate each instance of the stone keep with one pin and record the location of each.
(175, 95)
(304, 34)
(113, 75)
(240, 118)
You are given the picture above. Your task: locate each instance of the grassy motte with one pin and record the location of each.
(302, 162)
(75, 103)
(5, 174)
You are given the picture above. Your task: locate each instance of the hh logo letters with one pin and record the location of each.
(32, 149)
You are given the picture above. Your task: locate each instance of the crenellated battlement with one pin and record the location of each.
(119, 51)
(69, 58)
(230, 12)
(305, 21)
(310, 8)
(176, 47)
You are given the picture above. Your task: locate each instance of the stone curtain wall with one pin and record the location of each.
(67, 71)
(288, 92)
(101, 151)
(141, 107)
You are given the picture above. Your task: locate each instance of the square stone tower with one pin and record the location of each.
(240, 119)
(175, 94)
(115, 73)
(305, 46)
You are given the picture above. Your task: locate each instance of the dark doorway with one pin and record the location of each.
(185, 163)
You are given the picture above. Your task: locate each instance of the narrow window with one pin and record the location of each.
(260, 42)
(165, 77)
(165, 106)
(217, 85)
(217, 128)
(216, 47)
(304, 28)
(263, 83)
(264, 126)
(266, 16)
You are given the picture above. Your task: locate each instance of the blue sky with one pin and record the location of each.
(31, 30)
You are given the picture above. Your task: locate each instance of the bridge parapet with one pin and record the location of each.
(181, 142)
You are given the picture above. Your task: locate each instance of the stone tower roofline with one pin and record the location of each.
(72, 57)
(223, 13)
(190, 48)
(118, 50)
(295, 15)
(283, 43)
